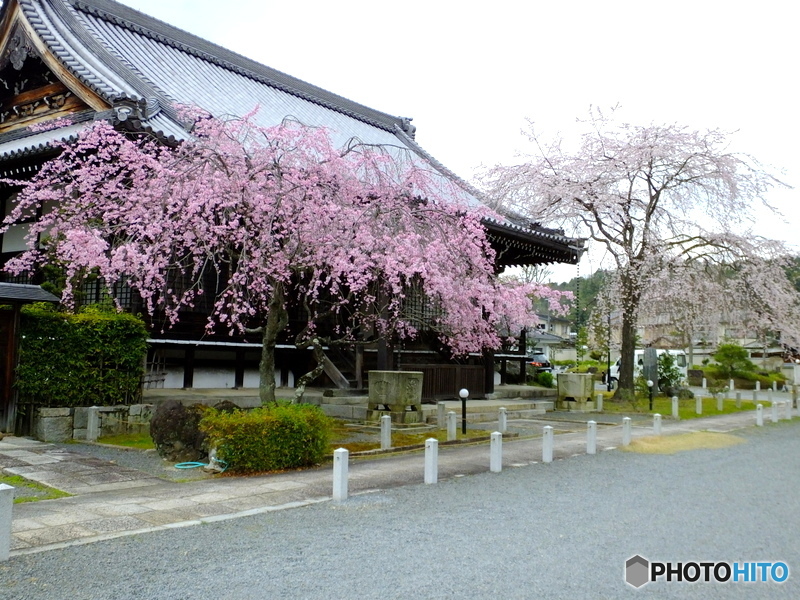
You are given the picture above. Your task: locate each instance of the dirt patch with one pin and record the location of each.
(670, 444)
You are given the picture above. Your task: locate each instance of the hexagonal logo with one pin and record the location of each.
(637, 571)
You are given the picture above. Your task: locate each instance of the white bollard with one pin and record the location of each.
(774, 386)
(731, 386)
(93, 424)
(591, 437)
(705, 383)
(547, 444)
(626, 431)
(440, 416)
(6, 504)
(451, 426)
(675, 408)
(341, 457)
(719, 402)
(386, 432)
(496, 452)
(431, 460)
(769, 397)
(759, 415)
(599, 403)
(758, 385)
(502, 419)
(738, 399)
(698, 405)
(657, 424)
(774, 407)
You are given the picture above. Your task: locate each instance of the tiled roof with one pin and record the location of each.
(24, 293)
(127, 57)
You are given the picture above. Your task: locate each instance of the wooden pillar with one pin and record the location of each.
(188, 368)
(488, 371)
(239, 369)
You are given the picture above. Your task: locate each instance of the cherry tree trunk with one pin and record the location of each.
(277, 319)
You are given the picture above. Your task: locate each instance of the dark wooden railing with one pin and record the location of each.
(440, 382)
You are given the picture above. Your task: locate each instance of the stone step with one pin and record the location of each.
(522, 391)
(488, 417)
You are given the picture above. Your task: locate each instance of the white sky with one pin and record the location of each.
(470, 73)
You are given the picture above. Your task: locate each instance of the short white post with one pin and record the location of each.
(705, 383)
(698, 405)
(731, 386)
(774, 386)
(451, 426)
(657, 424)
(758, 385)
(719, 402)
(774, 407)
(759, 415)
(341, 458)
(440, 416)
(6, 503)
(769, 397)
(386, 432)
(496, 452)
(738, 399)
(675, 408)
(502, 419)
(598, 404)
(431, 460)
(547, 444)
(93, 424)
(626, 431)
(591, 437)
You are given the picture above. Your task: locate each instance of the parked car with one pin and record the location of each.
(540, 362)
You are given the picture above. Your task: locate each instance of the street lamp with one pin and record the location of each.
(650, 387)
(464, 394)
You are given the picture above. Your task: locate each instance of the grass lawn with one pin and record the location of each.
(30, 491)
(359, 440)
(686, 407)
(140, 441)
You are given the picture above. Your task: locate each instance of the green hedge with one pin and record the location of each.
(95, 357)
(269, 438)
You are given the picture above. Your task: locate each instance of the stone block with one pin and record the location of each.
(54, 412)
(54, 429)
(79, 434)
(81, 417)
(399, 392)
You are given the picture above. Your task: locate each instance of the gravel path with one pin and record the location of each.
(540, 531)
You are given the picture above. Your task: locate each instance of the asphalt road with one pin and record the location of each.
(562, 530)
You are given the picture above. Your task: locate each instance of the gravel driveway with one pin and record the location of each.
(539, 531)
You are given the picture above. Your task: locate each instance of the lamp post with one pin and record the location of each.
(650, 388)
(464, 394)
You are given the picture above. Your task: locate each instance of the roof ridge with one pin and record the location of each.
(203, 49)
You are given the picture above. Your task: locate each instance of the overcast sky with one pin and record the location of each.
(471, 73)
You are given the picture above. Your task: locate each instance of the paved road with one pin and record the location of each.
(536, 531)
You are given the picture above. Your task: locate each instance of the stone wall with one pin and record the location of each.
(64, 424)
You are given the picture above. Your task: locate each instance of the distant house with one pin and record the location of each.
(97, 59)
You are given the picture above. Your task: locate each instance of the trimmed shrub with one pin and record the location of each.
(545, 379)
(93, 358)
(269, 438)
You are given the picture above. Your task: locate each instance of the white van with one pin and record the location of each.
(680, 363)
